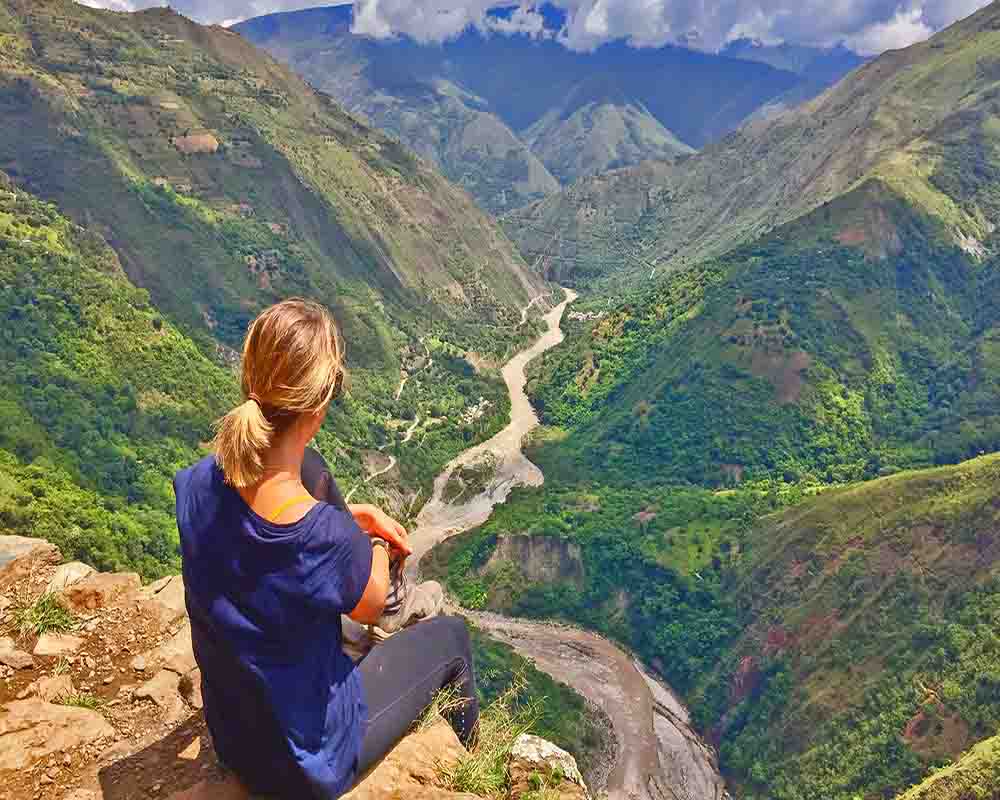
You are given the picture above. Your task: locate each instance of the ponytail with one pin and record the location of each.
(293, 364)
(241, 438)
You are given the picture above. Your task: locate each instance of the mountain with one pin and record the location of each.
(271, 182)
(822, 65)
(162, 183)
(819, 68)
(772, 431)
(835, 646)
(854, 339)
(918, 118)
(616, 106)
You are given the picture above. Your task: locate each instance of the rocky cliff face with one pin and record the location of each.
(100, 699)
(540, 559)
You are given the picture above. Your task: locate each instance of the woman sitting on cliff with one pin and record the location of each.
(269, 570)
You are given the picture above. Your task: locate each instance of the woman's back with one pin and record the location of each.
(269, 571)
(265, 602)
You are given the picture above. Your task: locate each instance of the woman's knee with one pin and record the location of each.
(450, 635)
(458, 629)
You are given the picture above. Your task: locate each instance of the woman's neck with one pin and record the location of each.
(283, 460)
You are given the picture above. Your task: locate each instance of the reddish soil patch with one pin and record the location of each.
(644, 517)
(745, 679)
(196, 143)
(733, 473)
(784, 370)
(852, 237)
(778, 639)
(934, 733)
(878, 234)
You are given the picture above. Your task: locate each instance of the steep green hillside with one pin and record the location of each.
(103, 398)
(224, 183)
(462, 101)
(595, 138)
(870, 646)
(472, 147)
(852, 343)
(923, 118)
(838, 649)
(203, 150)
(975, 775)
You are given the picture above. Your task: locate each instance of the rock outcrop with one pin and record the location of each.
(538, 764)
(111, 710)
(540, 559)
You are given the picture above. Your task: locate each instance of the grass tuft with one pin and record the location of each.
(484, 771)
(45, 615)
(82, 700)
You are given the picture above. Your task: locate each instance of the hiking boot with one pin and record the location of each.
(408, 604)
(411, 605)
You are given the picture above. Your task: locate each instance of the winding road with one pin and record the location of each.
(659, 756)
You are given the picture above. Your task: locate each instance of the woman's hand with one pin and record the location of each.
(376, 522)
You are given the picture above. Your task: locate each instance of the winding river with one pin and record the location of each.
(659, 756)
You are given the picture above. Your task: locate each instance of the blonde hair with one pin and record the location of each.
(293, 364)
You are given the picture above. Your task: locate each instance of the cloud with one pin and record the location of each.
(869, 25)
(524, 21)
(905, 28)
(111, 5)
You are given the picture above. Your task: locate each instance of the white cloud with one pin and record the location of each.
(111, 5)
(522, 20)
(905, 28)
(870, 25)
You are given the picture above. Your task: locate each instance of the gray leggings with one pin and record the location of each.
(401, 677)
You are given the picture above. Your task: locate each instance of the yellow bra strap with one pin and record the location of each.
(273, 516)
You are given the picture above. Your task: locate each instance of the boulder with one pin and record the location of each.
(50, 689)
(67, 574)
(190, 689)
(32, 730)
(57, 644)
(5, 603)
(20, 555)
(536, 763)
(176, 654)
(12, 657)
(164, 600)
(101, 590)
(162, 689)
(411, 769)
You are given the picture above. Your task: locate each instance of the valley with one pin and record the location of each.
(687, 388)
(644, 768)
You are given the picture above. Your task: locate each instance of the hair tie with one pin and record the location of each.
(254, 397)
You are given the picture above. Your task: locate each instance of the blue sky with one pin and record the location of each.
(868, 26)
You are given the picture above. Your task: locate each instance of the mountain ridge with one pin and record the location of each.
(888, 118)
(705, 95)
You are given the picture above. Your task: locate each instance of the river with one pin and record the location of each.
(659, 756)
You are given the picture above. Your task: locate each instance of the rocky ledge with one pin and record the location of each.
(110, 707)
